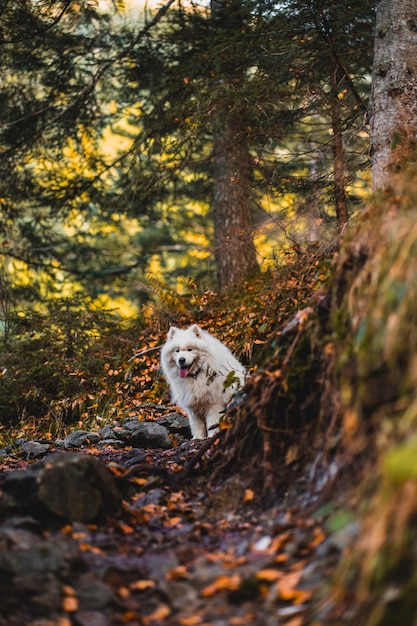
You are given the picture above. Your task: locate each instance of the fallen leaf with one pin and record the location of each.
(249, 495)
(191, 620)
(286, 586)
(161, 613)
(138, 480)
(67, 590)
(221, 583)
(123, 592)
(130, 616)
(177, 573)
(269, 574)
(126, 529)
(140, 585)
(69, 604)
(292, 454)
(86, 547)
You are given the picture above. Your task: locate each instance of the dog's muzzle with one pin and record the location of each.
(184, 369)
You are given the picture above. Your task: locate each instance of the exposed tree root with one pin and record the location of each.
(274, 428)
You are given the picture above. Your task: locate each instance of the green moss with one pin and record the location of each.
(400, 463)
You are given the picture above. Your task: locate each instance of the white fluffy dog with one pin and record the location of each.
(202, 374)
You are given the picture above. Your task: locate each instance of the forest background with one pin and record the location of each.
(152, 153)
(249, 166)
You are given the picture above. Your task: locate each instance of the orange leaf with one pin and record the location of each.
(286, 586)
(161, 613)
(192, 620)
(281, 558)
(69, 604)
(177, 573)
(249, 495)
(67, 590)
(221, 583)
(138, 480)
(269, 574)
(140, 585)
(296, 621)
(86, 547)
(126, 528)
(129, 616)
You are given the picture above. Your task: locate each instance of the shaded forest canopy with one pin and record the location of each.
(111, 135)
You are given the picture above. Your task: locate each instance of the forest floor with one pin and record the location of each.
(179, 549)
(177, 552)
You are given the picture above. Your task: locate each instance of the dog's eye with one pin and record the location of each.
(177, 350)
(189, 349)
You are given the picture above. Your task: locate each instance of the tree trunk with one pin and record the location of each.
(338, 156)
(234, 246)
(232, 173)
(394, 91)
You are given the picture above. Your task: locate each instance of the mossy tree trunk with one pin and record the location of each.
(394, 91)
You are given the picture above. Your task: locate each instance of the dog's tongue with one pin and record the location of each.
(183, 372)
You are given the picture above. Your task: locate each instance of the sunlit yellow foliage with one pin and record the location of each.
(119, 306)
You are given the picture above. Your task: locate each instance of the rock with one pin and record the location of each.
(176, 423)
(114, 443)
(114, 432)
(34, 449)
(147, 434)
(71, 486)
(32, 574)
(92, 594)
(81, 439)
(91, 618)
(6, 451)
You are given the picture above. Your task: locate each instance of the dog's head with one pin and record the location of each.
(185, 350)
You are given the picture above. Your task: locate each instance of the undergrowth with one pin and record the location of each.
(77, 367)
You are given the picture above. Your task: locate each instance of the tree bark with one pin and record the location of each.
(394, 91)
(235, 252)
(234, 247)
(338, 156)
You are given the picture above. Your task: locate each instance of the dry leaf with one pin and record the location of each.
(126, 528)
(123, 592)
(287, 584)
(140, 585)
(191, 620)
(177, 573)
(129, 616)
(292, 454)
(161, 613)
(69, 604)
(269, 574)
(86, 547)
(221, 583)
(249, 495)
(295, 621)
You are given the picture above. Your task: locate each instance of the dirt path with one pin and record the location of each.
(176, 555)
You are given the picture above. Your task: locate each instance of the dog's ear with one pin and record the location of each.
(171, 332)
(197, 331)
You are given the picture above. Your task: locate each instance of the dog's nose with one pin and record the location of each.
(181, 360)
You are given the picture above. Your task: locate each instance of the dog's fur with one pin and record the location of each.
(202, 374)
